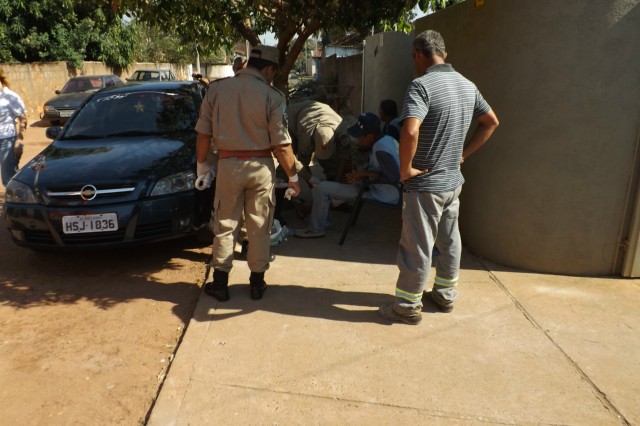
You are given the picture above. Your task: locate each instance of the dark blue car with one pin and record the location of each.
(121, 172)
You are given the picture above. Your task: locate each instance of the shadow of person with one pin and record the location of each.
(313, 302)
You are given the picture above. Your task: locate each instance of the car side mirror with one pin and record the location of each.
(53, 132)
(57, 92)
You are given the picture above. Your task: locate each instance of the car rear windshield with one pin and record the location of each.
(135, 113)
(145, 76)
(82, 84)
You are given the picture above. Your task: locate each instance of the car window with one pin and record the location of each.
(151, 75)
(112, 81)
(81, 84)
(134, 113)
(96, 83)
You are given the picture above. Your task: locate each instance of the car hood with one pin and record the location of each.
(111, 161)
(69, 99)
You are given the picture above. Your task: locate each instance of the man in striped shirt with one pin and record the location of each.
(438, 109)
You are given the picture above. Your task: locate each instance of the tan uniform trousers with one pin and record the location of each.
(243, 185)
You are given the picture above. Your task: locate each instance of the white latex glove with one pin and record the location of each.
(206, 172)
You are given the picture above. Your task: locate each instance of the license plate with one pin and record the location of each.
(105, 222)
(66, 113)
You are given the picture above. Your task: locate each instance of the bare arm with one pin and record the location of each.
(286, 159)
(487, 124)
(22, 126)
(203, 143)
(408, 145)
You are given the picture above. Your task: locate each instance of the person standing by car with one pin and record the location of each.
(244, 118)
(11, 109)
(438, 109)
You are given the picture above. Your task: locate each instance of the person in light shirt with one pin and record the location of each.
(11, 109)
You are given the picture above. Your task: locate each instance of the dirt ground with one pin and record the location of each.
(87, 337)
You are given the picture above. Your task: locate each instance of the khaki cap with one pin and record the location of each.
(268, 53)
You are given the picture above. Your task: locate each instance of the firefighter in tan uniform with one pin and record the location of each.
(312, 125)
(244, 117)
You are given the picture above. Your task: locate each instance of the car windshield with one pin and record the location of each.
(82, 84)
(145, 76)
(133, 114)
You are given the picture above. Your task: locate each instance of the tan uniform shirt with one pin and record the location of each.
(304, 116)
(244, 113)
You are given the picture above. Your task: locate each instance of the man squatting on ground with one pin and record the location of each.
(438, 109)
(244, 118)
(383, 171)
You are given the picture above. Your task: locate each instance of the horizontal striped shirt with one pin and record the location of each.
(445, 102)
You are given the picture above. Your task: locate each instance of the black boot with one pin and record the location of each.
(257, 284)
(218, 288)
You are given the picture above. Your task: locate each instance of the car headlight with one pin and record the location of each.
(49, 108)
(18, 192)
(178, 182)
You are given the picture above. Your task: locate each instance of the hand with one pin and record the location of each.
(20, 135)
(293, 190)
(412, 172)
(353, 177)
(206, 173)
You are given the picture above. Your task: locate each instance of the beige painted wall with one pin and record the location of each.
(387, 69)
(554, 190)
(37, 82)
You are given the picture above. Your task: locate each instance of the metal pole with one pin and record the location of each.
(364, 45)
(197, 60)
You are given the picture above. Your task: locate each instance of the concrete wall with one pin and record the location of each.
(554, 189)
(37, 82)
(346, 72)
(388, 68)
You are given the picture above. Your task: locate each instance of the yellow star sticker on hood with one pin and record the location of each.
(139, 107)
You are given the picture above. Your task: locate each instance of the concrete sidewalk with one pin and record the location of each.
(519, 348)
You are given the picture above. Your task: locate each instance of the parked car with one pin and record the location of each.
(152, 75)
(58, 109)
(121, 172)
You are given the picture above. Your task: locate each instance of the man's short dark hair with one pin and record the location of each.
(430, 43)
(389, 107)
(259, 63)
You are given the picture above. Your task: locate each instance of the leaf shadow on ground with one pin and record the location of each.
(105, 278)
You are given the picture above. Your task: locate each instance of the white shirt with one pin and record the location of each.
(382, 191)
(11, 107)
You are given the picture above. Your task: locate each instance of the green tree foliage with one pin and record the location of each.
(158, 44)
(435, 5)
(65, 30)
(222, 23)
